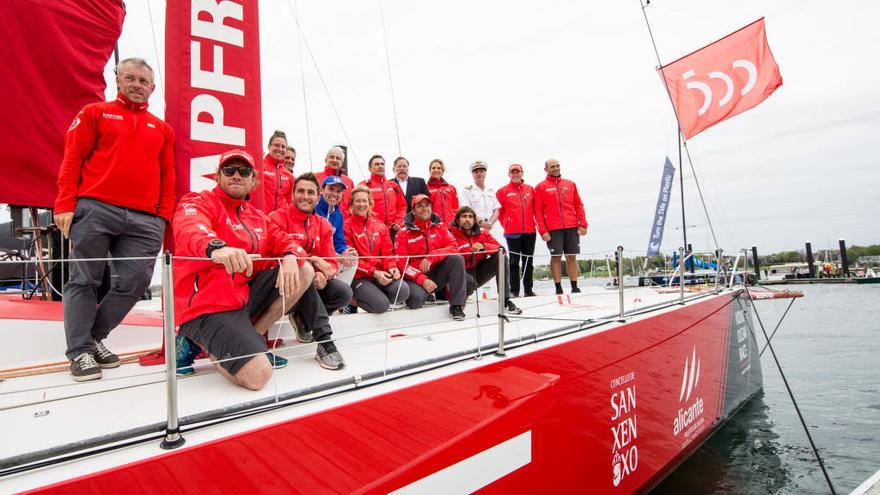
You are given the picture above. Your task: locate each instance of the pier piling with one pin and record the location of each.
(757, 263)
(844, 263)
(811, 264)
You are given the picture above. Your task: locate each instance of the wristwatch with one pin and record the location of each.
(214, 245)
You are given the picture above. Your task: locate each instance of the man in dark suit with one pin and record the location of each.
(411, 185)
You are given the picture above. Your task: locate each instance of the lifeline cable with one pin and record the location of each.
(791, 396)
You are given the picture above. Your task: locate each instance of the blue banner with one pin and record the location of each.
(662, 205)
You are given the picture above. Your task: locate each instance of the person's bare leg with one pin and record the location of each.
(556, 268)
(571, 266)
(252, 376)
(275, 311)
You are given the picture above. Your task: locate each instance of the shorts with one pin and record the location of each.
(230, 334)
(564, 241)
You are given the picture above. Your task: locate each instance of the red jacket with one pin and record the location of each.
(558, 205)
(369, 237)
(465, 241)
(119, 153)
(314, 233)
(202, 286)
(444, 199)
(517, 214)
(389, 203)
(346, 194)
(276, 184)
(416, 240)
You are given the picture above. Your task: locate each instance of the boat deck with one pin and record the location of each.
(54, 415)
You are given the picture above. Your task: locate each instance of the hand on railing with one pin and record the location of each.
(236, 260)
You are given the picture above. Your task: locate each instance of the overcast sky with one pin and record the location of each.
(523, 81)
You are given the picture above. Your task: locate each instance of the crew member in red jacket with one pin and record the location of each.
(480, 252)
(276, 180)
(115, 195)
(444, 196)
(517, 217)
(215, 301)
(389, 203)
(315, 234)
(428, 258)
(333, 166)
(559, 213)
(377, 283)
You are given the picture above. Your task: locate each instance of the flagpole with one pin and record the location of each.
(677, 122)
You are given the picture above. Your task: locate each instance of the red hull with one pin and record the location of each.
(609, 412)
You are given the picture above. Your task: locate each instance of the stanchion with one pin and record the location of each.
(501, 277)
(620, 281)
(717, 267)
(173, 439)
(681, 275)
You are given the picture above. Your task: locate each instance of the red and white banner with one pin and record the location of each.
(722, 79)
(212, 61)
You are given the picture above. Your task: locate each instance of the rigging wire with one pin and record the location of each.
(390, 81)
(302, 74)
(326, 89)
(682, 140)
(790, 393)
(156, 50)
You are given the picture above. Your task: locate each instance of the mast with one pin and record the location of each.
(677, 122)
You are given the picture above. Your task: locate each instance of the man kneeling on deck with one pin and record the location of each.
(216, 301)
(428, 259)
(480, 251)
(315, 234)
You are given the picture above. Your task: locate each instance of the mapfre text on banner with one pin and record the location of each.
(723, 79)
(212, 60)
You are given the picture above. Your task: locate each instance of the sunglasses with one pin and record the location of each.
(244, 171)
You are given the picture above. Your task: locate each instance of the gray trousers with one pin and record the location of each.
(450, 274)
(98, 229)
(373, 297)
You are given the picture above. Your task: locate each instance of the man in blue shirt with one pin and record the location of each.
(328, 207)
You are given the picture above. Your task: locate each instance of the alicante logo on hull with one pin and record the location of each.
(689, 418)
(624, 450)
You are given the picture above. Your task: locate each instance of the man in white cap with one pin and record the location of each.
(481, 197)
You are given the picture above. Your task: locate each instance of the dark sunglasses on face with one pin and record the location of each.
(244, 171)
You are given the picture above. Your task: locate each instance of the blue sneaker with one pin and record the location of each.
(187, 351)
(277, 362)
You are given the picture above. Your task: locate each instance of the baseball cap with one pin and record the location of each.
(333, 179)
(513, 166)
(238, 154)
(479, 164)
(418, 198)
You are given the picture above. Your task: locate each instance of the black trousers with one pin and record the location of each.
(525, 245)
(483, 272)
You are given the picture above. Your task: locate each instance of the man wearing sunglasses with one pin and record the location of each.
(216, 299)
(115, 195)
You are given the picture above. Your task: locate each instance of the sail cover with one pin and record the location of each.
(52, 62)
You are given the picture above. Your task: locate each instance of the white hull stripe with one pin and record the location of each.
(477, 471)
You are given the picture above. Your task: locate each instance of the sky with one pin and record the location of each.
(523, 81)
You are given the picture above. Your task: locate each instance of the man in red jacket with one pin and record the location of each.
(333, 166)
(115, 194)
(480, 252)
(389, 203)
(559, 213)
(215, 301)
(428, 258)
(517, 217)
(315, 234)
(276, 180)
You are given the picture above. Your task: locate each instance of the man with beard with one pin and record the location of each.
(480, 252)
(217, 300)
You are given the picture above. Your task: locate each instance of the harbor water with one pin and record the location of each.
(829, 348)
